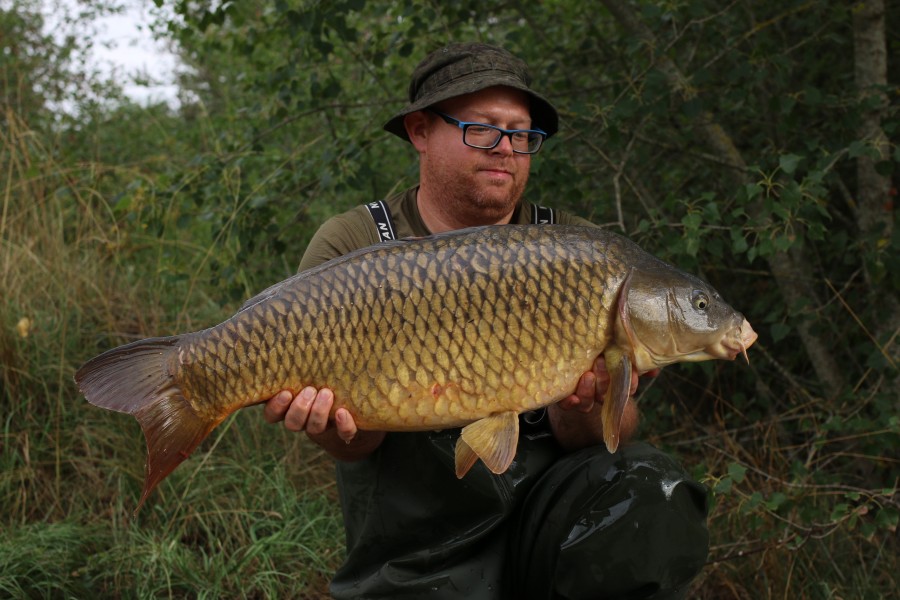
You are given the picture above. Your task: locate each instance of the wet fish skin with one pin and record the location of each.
(464, 328)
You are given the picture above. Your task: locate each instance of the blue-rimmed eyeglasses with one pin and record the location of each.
(484, 136)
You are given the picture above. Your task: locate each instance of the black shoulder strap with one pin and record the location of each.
(542, 215)
(384, 223)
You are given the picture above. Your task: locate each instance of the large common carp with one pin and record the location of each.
(468, 328)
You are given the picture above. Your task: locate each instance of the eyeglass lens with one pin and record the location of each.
(483, 136)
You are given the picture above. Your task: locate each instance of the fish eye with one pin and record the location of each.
(699, 300)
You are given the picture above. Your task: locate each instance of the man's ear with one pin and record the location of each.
(417, 128)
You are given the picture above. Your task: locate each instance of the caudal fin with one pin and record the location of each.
(141, 379)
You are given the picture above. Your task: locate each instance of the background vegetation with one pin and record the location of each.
(752, 142)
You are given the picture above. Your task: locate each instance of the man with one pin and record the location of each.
(567, 519)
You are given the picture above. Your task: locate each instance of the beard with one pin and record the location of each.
(473, 197)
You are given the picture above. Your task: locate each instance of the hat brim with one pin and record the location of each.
(543, 115)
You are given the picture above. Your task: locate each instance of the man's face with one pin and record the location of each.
(477, 185)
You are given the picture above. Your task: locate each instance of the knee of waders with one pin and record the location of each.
(627, 525)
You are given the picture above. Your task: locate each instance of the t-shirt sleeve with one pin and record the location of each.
(339, 235)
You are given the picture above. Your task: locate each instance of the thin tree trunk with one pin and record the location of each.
(790, 271)
(873, 214)
(873, 207)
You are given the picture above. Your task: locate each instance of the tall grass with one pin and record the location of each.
(256, 518)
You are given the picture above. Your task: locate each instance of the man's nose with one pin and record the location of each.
(504, 146)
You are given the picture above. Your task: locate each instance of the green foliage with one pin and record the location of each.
(125, 221)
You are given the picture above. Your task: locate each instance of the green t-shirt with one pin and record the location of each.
(356, 229)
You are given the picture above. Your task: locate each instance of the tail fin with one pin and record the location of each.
(141, 379)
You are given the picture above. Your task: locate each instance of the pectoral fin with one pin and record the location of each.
(492, 439)
(619, 366)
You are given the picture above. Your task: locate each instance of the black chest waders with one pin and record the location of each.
(583, 525)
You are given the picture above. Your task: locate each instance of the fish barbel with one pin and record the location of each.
(462, 329)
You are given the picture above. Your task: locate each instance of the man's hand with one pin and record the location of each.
(592, 388)
(575, 420)
(309, 411)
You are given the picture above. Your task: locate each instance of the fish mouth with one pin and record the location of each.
(735, 342)
(739, 341)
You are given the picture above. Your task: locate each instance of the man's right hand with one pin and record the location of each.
(310, 411)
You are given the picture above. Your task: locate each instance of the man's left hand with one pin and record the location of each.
(574, 431)
(592, 387)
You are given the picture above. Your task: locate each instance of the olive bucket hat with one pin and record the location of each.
(460, 69)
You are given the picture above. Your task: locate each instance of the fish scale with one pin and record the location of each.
(461, 328)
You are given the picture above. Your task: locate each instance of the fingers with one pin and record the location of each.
(277, 406)
(592, 387)
(602, 378)
(309, 411)
(586, 387)
(346, 426)
(583, 398)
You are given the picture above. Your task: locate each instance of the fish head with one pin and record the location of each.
(668, 316)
